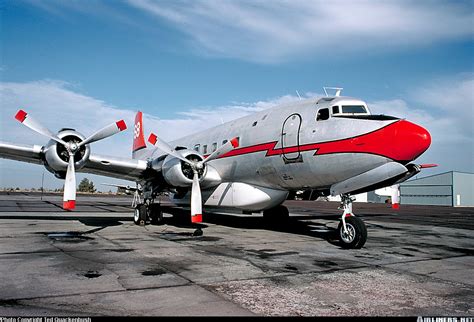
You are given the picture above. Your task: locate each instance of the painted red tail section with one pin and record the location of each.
(138, 137)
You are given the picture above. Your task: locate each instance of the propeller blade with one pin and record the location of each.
(229, 146)
(196, 201)
(69, 199)
(105, 132)
(163, 146)
(30, 122)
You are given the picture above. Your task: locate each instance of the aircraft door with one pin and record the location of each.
(290, 138)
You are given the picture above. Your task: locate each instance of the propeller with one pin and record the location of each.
(69, 198)
(196, 199)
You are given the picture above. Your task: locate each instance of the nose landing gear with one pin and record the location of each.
(352, 230)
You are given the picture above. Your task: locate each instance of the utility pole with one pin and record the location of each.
(42, 184)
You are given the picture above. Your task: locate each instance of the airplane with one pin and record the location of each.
(332, 145)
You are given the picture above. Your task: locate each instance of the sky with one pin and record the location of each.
(190, 65)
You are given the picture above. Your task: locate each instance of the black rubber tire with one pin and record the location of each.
(278, 215)
(360, 230)
(156, 214)
(140, 214)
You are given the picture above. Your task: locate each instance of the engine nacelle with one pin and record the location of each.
(56, 156)
(178, 173)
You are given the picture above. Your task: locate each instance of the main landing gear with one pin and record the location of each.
(352, 230)
(148, 212)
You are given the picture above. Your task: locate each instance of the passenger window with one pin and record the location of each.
(323, 114)
(204, 149)
(214, 146)
(335, 109)
(196, 147)
(224, 142)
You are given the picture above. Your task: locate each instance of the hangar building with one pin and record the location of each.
(445, 189)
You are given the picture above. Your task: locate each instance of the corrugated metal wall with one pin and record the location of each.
(445, 189)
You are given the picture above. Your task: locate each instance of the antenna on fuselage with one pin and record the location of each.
(337, 89)
(298, 94)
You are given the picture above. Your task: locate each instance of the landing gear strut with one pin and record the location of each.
(352, 230)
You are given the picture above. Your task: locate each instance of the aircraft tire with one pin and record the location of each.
(156, 214)
(139, 215)
(358, 233)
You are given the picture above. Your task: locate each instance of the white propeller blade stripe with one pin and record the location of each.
(196, 201)
(30, 122)
(105, 132)
(69, 198)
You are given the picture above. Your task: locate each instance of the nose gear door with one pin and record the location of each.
(290, 139)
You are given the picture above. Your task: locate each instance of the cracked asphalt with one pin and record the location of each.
(95, 261)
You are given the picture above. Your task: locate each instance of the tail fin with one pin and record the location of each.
(138, 137)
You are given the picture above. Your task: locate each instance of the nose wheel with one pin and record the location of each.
(351, 230)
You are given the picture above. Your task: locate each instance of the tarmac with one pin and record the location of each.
(418, 261)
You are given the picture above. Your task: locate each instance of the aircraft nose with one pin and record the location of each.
(413, 140)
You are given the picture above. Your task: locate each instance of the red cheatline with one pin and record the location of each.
(21, 115)
(70, 204)
(196, 218)
(152, 139)
(121, 125)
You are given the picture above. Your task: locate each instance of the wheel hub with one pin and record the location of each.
(348, 236)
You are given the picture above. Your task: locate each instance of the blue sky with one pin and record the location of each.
(183, 62)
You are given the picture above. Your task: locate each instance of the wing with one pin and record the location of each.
(109, 166)
(115, 167)
(21, 152)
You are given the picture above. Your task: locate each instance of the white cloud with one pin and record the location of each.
(446, 110)
(452, 96)
(57, 104)
(272, 31)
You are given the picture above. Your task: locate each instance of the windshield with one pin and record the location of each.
(353, 109)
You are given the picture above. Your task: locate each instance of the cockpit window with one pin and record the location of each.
(335, 109)
(353, 109)
(323, 114)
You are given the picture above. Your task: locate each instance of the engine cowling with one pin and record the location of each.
(56, 157)
(178, 173)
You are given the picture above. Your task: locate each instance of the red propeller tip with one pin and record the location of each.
(235, 142)
(152, 139)
(21, 115)
(70, 204)
(121, 125)
(196, 218)
(396, 206)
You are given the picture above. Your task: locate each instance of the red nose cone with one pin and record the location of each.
(412, 139)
